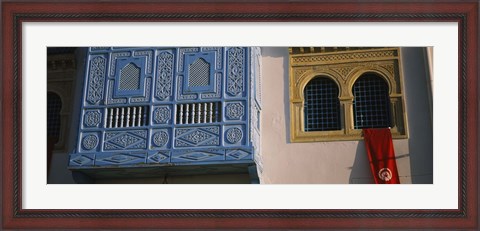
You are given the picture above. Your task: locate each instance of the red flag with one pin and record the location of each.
(378, 142)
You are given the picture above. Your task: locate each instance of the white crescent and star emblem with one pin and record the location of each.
(385, 174)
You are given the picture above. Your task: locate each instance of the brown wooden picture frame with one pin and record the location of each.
(14, 13)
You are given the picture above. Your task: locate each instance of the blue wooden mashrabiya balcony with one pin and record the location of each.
(150, 111)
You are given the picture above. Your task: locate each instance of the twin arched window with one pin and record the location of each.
(371, 104)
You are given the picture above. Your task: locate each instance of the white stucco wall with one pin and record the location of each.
(346, 161)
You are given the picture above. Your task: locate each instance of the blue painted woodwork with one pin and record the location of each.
(166, 107)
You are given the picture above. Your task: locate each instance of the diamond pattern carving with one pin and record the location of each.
(197, 137)
(237, 154)
(81, 160)
(159, 157)
(120, 158)
(197, 156)
(125, 140)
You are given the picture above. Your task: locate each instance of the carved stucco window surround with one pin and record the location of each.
(344, 68)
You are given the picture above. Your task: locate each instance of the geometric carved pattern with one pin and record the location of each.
(237, 154)
(120, 80)
(160, 138)
(234, 135)
(110, 99)
(82, 160)
(147, 93)
(235, 72)
(163, 86)
(161, 115)
(203, 155)
(193, 137)
(113, 60)
(120, 158)
(234, 111)
(125, 140)
(89, 142)
(158, 157)
(355, 56)
(217, 88)
(149, 55)
(218, 55)
(92, 118)
(96, 80)
(343, 71)
(182, 52)
(180, 94)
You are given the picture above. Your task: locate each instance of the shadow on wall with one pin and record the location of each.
(420, 140)
(282, 52)
(361, 173)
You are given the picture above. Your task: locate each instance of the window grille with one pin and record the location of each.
(371, 104)
(197, 113)
(322, 105)
(199, 73)
(54, 106)
(130, 78)
(124, 117)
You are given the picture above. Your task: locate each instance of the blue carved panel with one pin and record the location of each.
(161, 139)
(236, 71)
(147, 55)
(235, 110)
(164, 76)
(158, 157)
(96, 79)
(235, 135)
(92, 119)
(125, 140)
(130, 78)
(182, 95)
(199, 74)
(89, 142)
(194, 66)
(202, 155)
(119, 158)
(197, 136)
(80, 160)
(238, 154)
(93, 49)
(162, 114)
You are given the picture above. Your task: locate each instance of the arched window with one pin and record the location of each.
(54, 106)
(371, 104)
(322, 106)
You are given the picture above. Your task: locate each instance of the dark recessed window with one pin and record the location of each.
(371, 104)
(322, 106)
(54, 106)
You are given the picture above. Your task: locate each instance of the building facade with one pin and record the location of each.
(271, 115)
